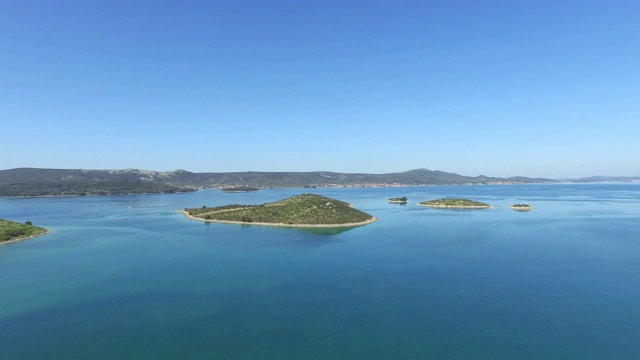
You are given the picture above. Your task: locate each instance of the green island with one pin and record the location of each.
(12, 231)
(400, 200)
(455, 203)
(305, 210)
(239, 189)
(521, 207)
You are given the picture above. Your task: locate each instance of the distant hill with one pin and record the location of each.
(606, 179)
(46, 182)
(49, 182)
(327, 178)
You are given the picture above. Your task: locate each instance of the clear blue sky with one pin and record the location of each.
(501, 88)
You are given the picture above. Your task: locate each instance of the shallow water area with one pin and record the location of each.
(556, 282)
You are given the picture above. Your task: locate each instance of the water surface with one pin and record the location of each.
(558, 282)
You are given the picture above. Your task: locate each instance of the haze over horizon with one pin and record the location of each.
(498, 88)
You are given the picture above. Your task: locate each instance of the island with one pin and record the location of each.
(305, 210)
(455, 204)
(400, 200)
(239, 189)
(521, 207)
(12, 231)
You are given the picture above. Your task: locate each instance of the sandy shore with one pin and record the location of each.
(24, 238)
(372, 220)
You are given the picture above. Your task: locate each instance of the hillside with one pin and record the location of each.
(49, 182)
(45, 182)
(299, 210)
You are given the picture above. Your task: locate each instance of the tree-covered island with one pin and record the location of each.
(521, 207)
(12, 231)
(399, 200)
(305, 210)
(455, 204)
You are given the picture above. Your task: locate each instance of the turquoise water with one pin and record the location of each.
(559, 282)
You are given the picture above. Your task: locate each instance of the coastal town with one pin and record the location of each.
(383, 185)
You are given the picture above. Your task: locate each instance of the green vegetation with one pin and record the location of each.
(10, 230)
(521, 207)
(455, 203)
(48, 182)
(100, 187)
(299, 210)
(197, 212)
(400, 200)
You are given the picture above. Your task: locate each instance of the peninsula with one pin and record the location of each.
(521, 207)
(12, 231)
(400, 200)
(305, 210)
(455, 204)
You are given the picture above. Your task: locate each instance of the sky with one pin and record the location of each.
(499, 88)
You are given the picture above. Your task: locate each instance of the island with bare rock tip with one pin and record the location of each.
(455, 204)
(399, 200)
(305, 210)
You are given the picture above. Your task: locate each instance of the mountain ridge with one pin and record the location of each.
(47, 182)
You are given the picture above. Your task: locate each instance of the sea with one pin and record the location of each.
(129, 277)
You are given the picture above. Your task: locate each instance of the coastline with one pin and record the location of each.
(24, 238)
(87, 195)
(362, 223)
(456, 206)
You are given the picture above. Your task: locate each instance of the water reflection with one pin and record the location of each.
(326, 231)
